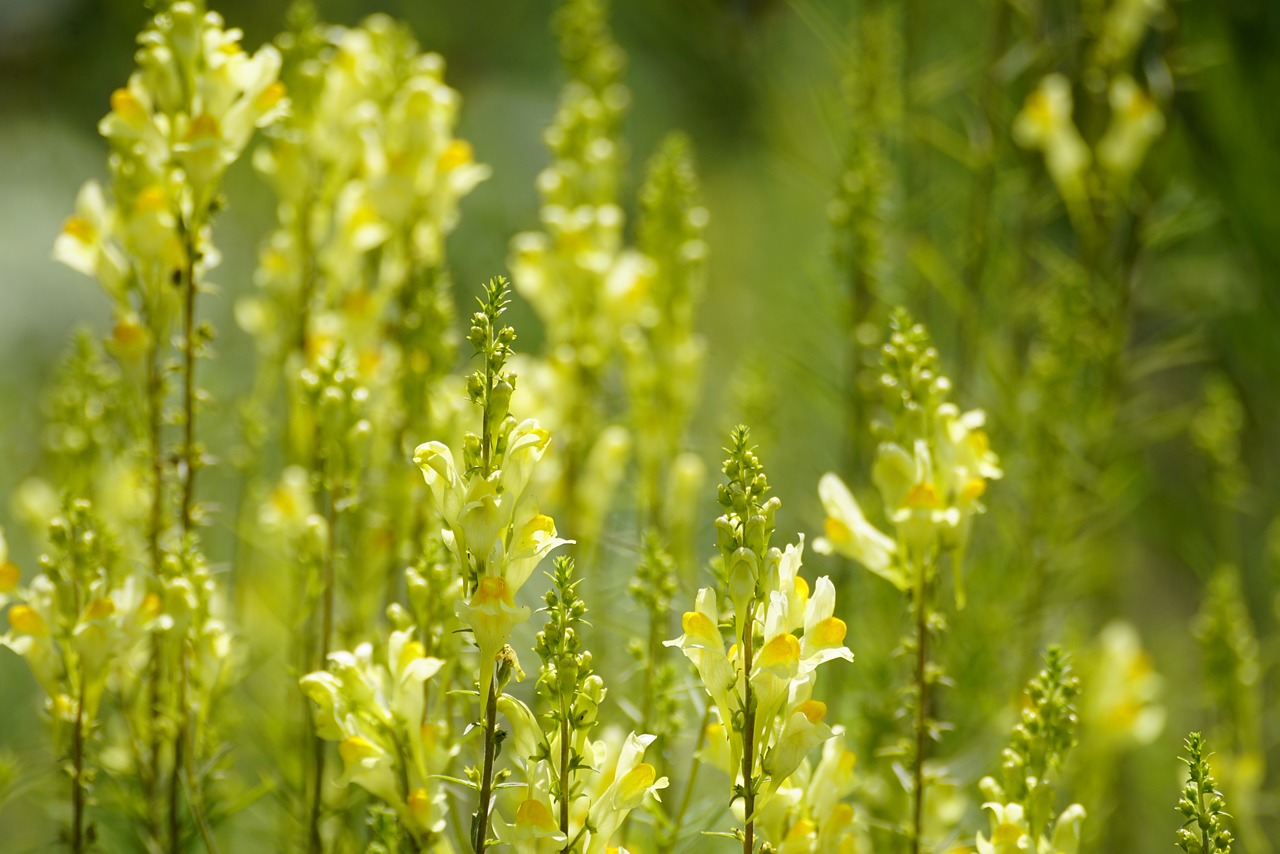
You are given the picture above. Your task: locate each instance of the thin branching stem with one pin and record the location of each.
(77, 780)
(921, 719)
(319, 753)
(486, 775)
(748, 735)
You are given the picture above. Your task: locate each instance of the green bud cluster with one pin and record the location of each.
(912, 383)
(84, 411)
(566, 681)
(490, 386)
(654, 584)
(566, 684)
(1229, 649)
(749, 520)
(653, 588)
(1041, 739)
(1202, 805)
(586, 45)
(337, 400)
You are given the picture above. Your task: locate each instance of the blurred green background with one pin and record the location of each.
(757, 86)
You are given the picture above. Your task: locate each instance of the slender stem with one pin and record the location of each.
(486, 777)
(326, 635)
(566, 781)
(314, 843)
(748, 734)
(189, 230)
(189, 462)
(195, 796)
(77, 781)
(485, 439)
(179, 749)
(692, 777)
(922, 684)
(155, 404)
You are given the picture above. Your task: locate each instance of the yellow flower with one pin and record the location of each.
(804, 730)
(850, 534)
(492, 615)
(1045, 124)
(1009, 831)
(9, 576)
(1136, 122)
(27, 620)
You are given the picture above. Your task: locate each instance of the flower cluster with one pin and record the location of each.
(1021, 802)
(369, 176)
(79, 625)
(185, 115)
(1202, 805)
(662, 354)
(577, 791)
(762, 683)
(374, 707)
(931, 473)
(1123, 705)
(1046, 122)
(491, 520)
(809, 814)
(576, 272)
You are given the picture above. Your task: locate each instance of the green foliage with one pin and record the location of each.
(317, 645)
(1202, 805)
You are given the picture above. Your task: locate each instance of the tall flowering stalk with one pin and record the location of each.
(578, 792)
(931, 470)
(1021, 800)
(576, 272)
(1202, 806)
(73, 624)
(762, 684)
(491, 521)
(662, 352)
(185, 115)
(373, 704)
(354, 311)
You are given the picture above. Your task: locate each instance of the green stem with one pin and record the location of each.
(692, 777)
(319, 753)
(195, 796)
(155, 403)
(189, 462)
(748, 735)
(179, 745)
(566, 781)
(77, 780)
(921, 720)
(486, 777)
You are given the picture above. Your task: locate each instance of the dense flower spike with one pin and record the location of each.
(1021, 802)
(491, 522)
(931, 469)
(931, 473)
(576, 272)
(186, 114)
(762, 684)
(372, 706)
(1019, 194)
(1202, 805)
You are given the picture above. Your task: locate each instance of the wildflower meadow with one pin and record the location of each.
(786, 426)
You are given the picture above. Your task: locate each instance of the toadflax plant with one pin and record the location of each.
(492, 525)
(761, 686)
(931, 470)
(1021, 798)
(186, 114)
(1202, 805)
